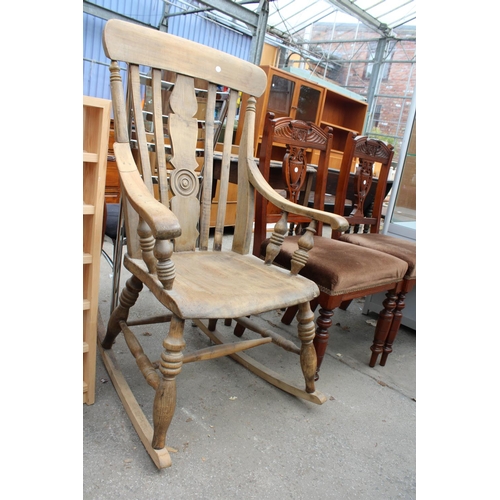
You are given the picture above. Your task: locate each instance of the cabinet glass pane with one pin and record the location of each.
(307, 106)
(280, 96)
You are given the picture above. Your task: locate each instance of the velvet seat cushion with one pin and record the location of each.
(397, 247)
(338, 267)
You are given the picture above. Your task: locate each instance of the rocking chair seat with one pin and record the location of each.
(352, 272)
(397, 247)
(231, 286)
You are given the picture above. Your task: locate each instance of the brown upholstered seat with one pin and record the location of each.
(352, 272)
(397, 247)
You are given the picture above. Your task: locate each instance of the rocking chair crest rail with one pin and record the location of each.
(169, 128)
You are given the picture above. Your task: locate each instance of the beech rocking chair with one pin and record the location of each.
(168, 227)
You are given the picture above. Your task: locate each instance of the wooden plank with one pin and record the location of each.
(90, 157)
(88, 209)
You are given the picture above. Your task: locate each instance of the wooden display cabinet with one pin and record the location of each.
(290, 94)
(96, 116)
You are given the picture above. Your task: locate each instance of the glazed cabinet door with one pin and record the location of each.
(288, 97)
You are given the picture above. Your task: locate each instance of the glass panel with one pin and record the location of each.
(405, 205)
(307, 106)
(280, 96)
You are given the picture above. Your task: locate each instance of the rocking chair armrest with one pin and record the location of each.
(162, 221)
(336, 222)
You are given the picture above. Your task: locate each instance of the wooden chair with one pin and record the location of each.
(364, 225)
(168, 238)
(342, 271)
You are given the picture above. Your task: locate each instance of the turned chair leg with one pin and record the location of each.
(306, 333)
(128, 298)
(394, 329)
(323, 324)
(344, 305)
(383, 325)
(238, 330)
(170, 367)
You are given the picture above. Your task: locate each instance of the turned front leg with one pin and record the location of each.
(305, 318)
(394, 329)
(128, 298)
(170, 367)
(383, 325)
(323, 324)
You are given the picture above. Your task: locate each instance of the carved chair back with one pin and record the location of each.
(301, 139)
(365, 152)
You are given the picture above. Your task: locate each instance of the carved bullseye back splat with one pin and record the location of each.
(184, 183)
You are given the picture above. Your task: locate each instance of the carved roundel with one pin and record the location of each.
(183, 182)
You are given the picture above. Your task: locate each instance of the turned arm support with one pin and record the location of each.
(337, 222)
(157, 223)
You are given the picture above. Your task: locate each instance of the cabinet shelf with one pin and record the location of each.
(88, 209)
(90, 157)
(338, 127)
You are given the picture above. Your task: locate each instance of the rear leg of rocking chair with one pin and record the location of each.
(128, 298)
(289, 314)
(170, 367)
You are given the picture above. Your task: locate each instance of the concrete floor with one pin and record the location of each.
(237, 436)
